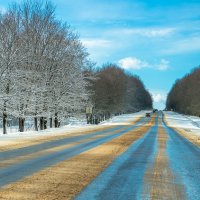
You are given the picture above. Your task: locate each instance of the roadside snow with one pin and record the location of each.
(124, 119)
(189, 123)
(74, 126)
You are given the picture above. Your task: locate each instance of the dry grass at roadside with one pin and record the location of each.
(65, 180)
(195, 139)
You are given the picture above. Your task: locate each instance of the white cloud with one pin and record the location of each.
(147, 32)
(132, 63)
(96, 43)
(159, 98)
(137, 64)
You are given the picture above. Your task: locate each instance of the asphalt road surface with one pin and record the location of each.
(145, 160)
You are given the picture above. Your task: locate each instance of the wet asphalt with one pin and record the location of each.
(184, 158)
(15, 172)
(123, 179)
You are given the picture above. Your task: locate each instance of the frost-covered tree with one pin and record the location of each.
(42, 65)
(10, 58)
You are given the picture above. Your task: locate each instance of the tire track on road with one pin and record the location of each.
(184, 160)
(159, 181)
(25, 142)
(20, 159)
(17, 171)
(6, 155)
(64, 180)
(123, 179)
(27, 154)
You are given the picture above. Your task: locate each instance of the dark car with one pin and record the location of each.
(148, 114)
(155, 110)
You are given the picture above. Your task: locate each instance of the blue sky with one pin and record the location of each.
(157, 40)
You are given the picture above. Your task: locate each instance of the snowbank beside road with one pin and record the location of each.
(191, 124)
(124, 119)
(76, 126)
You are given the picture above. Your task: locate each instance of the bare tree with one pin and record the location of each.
(185, 94)
(117, 92)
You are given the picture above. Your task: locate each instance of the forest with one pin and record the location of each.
(46, 73)
(118, 92)
(184, 96)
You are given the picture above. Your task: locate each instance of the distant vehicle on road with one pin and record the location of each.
(148, 114)
(155, 110)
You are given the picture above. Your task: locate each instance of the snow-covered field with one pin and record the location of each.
(75, 125)
(189, 123)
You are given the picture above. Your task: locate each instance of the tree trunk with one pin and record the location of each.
(21, 124)
(4, 123)
(51, 122)
(5, 116)
(36, 123)
(56, 120)
(41, 123)
(45, 123)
